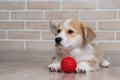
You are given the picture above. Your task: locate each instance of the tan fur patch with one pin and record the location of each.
(89, 34)
(76, 25)
(91, 62)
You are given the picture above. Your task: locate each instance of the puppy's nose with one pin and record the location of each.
(58, 40)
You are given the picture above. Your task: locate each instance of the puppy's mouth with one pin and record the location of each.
(61, 46)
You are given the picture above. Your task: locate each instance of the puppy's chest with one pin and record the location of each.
(63, 53)
(76, 53)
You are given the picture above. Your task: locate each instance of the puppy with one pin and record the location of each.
(75, 39)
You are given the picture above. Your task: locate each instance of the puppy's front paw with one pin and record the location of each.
(55, 67)
(83, 67)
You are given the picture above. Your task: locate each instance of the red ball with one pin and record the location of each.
(68, 64)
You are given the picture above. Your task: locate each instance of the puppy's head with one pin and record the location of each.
(71, 33)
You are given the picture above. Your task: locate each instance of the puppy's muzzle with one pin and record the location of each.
(58, 40)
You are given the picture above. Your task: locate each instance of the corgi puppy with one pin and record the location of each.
(75, 39)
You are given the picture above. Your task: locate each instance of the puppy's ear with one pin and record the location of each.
(88, 34)
(54, 25)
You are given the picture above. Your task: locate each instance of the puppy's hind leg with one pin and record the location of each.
(105, 63)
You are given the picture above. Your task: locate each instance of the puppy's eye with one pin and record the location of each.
(58, 30)
(70, 31)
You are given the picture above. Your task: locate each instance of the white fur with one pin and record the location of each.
(83, 66)
(64, 39)
(54, 66)
(105, 63)
(84, 53)
(66, 23)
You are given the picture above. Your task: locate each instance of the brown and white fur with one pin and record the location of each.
(74, 39)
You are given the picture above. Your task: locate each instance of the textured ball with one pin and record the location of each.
(68, 64)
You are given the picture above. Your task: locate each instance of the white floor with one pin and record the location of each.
(38, 71)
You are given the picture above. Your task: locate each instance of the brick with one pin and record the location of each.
(47, 5)
(118, 35)
(105, 35)
(12, 5)
(11, 45)
(79, 5)
(26, 15)
(119, 15)
(40, 45)
(109, 4)
(109, 25)
(112, 46)
(23, 35)
(47, 36)
(41, 0)
(60, 15)
(39, 25)
(98, 15)
(4, 15)
(2, 34)
(7, 25)
(91, 24)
